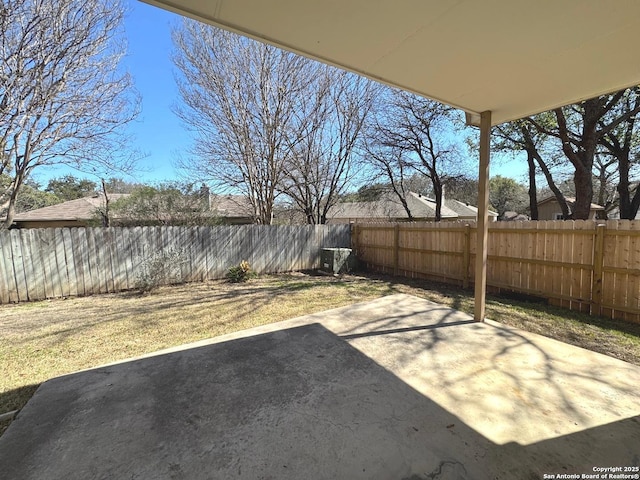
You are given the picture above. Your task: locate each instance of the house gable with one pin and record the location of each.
(549, 208)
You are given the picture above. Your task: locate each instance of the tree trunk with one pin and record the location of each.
(437, 191)
(582, 155)
(635, 203)
(11, 207)
(11, 212)
(533, 194)
(106, 218)
(628, 206)
(602, 191)
(584, 194)
(554, 188)
(403, 201)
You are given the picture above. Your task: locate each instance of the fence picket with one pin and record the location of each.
(18, 256)
(37, 284)
(634, 281)
(27, 261)
(45, 239)
(62, 274)
(6, 268)
(621, 278)
(69, 262)
(127, 241)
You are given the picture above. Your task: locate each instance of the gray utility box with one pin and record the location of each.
(337, 260)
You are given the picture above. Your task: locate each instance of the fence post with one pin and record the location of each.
(396, 249)
(354, 237)
(466, 261)
(598, 261)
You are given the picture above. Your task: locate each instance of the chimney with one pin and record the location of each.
(205, 194)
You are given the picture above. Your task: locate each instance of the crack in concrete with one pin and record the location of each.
(438, 471)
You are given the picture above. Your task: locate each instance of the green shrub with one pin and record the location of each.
(240, 273)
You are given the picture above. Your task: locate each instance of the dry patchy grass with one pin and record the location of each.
(45, 339)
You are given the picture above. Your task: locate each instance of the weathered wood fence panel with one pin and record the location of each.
(45, 263)
(582, 265)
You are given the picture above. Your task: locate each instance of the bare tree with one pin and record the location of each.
(605, 179)
(542, 157)
(581, 129)
(62, 97)
(414, 134)
(106, 214)
(390, 166)
(168, 203)
(622, 146)
(240, 98)
(330, 121)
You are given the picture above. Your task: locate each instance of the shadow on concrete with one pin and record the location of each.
(294, 403)
(406, 329)
(532, 387)
(11, 401)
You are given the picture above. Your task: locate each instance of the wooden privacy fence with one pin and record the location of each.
(582, 265)
(57, 262)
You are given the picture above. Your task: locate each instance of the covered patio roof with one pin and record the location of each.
(512, 57)
(498, 60)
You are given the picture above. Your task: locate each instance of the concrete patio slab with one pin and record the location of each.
(397, 388)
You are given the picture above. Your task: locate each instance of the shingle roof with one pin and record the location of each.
(79, 209)
(570, 201)
(464, 209)
(228, 206)
(236, 206)
(389, 206)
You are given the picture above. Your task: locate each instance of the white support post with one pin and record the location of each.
(482, 231)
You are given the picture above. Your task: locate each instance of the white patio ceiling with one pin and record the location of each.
(511, 57)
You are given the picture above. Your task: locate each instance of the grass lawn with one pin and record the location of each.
(45, 339)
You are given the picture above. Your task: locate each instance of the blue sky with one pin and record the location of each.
(158, 133)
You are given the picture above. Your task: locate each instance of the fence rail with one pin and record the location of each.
(583, 265)
(57, 262)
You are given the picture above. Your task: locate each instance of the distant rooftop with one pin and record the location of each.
(570, 201)
(388, 206)
(79, 209)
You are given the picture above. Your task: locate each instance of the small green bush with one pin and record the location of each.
(240, 273)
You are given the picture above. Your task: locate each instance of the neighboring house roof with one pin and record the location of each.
(236, 206)
(374, 210)
(389, 207)
(423, 207)
(79, 209)
(570, 202)
(84, 209)
(465, 210)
